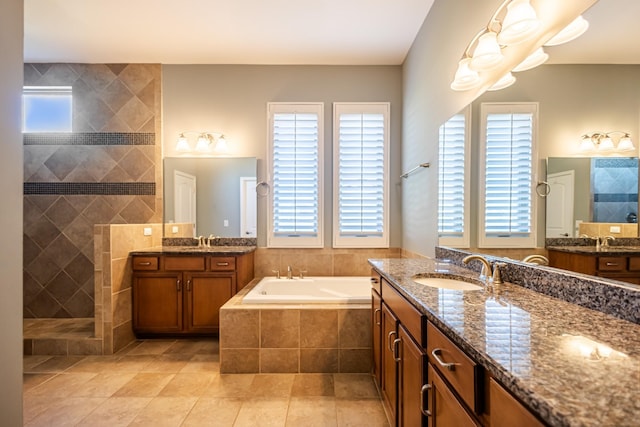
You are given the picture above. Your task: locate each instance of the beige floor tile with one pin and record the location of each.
(202, 363)
(312, 412)
(360, 413)
(204, 346)
(168, 363)
(144, 384)
(263, 413)
(164, 411)
(56, 364)
(104, 384)
(115, 412)
(306, 385)
(150, 347)
(213, 411)
(230, 385)
(133, 363)
(272, 385)
(32, 380)
(94, 364)
(355, 386)
(32, 406)
(61, 385)
(67, 412)
(29, 362)
(187, 385)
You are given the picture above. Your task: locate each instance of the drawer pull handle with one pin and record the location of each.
(392, 333)
(188, 285)
(178, 285)
(374, 280)
(396, 350)
(377, 319)
(147, 263)
(424, 390)
(612, 264)
(222, 264)
(436, 355)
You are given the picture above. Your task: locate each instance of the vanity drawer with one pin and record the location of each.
(461, 372)
(184, 263)
(634, 263)
(145, 263)
(610, 263)
(223, 263)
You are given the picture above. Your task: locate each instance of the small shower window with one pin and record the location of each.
(47, 109)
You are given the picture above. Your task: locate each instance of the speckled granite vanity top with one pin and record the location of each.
(196, 250)
(572, 365)
(606, 251)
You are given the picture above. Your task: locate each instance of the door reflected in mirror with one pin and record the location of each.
(591, 190)
(212, 196)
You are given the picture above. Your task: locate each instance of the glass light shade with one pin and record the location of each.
(570, 32)
(487, 53)
(465, 78)
(626, 144)
(183, 144)
(605, 144)
(586, 144)
(203, 144)
(221, 145)
(520, 23)
(538, 57)
(506, 81)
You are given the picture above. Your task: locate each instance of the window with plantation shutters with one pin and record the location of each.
(295, 165)
(361, 175)
(508, 157)
(453, 181)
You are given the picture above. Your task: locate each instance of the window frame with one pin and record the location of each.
(363, 241)
(273, 240)
(60, 92)
(463, 241)
(487, 108)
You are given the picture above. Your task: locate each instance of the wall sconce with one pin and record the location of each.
(514, 22)
(204, 144)
(602, 142)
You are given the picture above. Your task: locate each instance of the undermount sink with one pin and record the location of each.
(447, 283)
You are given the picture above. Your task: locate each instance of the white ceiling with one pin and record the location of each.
(354, 32)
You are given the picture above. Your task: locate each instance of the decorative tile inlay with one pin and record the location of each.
(89, 138)
(87, 188)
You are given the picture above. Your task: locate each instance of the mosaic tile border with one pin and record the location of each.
(91, 188)
(89, 138)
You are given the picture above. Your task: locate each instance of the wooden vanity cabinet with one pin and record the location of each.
(445, 409)
(376, 328)
(184, 294)
(624, 268)
(507, 411)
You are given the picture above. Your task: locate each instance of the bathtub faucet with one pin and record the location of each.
(289, 272)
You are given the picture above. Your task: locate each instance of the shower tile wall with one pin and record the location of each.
(614, 183)
(107, 171)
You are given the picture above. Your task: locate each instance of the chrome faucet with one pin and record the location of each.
(536, 259)
(488, 272)
(289, 272)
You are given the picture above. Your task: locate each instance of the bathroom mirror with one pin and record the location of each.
(590, 189)
(216, 195)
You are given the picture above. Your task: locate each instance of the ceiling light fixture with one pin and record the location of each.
(602, 142)
(204, 143)
(571, 32)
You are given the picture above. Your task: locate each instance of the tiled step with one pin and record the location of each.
(60, 337)
(62, 346)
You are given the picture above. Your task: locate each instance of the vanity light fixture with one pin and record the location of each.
(571, 32)
(204, 143)
(519, 24)
(538, 57)
(504, 82)
(602, 142)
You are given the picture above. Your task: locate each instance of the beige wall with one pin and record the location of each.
(233, 98)
(11, 30)
(428, 101)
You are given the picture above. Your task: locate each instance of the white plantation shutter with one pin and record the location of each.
(453, 194)
(508, 204)
(361, 175)
(295, 165)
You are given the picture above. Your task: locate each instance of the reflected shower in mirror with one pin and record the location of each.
(590, 190)
(216, 195)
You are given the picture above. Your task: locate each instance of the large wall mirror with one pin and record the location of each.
(216, 195)
(592, 189)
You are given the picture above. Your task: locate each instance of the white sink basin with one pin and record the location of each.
(445, 283)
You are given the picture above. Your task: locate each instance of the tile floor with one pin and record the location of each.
(177, 383)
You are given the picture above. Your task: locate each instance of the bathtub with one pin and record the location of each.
(311, 290)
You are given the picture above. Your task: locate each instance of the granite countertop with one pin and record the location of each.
(196, 250)
(592, 250)
(543, 349)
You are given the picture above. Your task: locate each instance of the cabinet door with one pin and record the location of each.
(412, 376)
(506, 411)
(389, 362)
(205, 294)
(157, 302)
(376, 327)
(446, 410)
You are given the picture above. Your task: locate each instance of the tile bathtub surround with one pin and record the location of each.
(613, 298)
(169, 382)
(271, 338)
(108, 170)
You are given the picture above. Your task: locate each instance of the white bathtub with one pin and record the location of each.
(311, 290)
